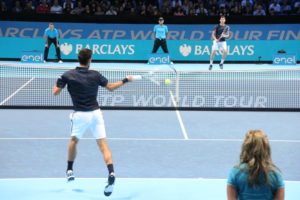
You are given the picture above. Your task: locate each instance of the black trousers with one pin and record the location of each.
(160, 43)
(49, 42)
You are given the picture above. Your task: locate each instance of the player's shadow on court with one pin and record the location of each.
(112, 197)
(78, 190)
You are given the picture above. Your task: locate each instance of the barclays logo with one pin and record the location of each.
(66, 48)
(185, 50)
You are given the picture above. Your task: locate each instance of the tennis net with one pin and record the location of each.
(31, 87)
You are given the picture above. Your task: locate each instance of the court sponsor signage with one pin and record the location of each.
(159, 59)
(285, 59)
(187, 101)
(179, 50)
(34, 56)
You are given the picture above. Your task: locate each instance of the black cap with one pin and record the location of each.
(161, 18)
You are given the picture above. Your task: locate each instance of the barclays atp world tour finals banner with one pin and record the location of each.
(145, 31)
(134, 42)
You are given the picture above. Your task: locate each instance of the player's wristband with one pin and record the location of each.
(125, 80)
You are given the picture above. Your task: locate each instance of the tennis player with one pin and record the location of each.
(219, 35)
(255, 177)
(51, 36)
(161, 31)
(83, 86)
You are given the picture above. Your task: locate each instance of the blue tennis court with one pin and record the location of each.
(157, 154)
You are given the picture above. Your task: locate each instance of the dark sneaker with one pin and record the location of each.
(110, 184)
(70, 175)
(210, 67)
(221, 66)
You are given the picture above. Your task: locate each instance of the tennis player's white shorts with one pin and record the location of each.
(219, 46)
(93, 120)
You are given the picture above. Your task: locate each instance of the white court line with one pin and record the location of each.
(18, 90)
(179, 117)
(161, 179)
(155, 139)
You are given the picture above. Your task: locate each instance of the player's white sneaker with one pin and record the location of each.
(171, 63)
(110, 186)
(45, 61)
(60, 61)
(70, 175)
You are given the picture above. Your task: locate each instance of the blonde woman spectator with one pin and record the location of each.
(255, 177)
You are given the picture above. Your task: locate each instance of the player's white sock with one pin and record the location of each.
(222, 61)
(211, 62)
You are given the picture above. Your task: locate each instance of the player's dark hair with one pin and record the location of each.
(222, 16)
(84, 55)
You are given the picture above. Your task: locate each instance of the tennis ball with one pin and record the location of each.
(168, 81)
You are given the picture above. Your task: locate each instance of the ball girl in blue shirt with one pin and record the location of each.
(255, 177)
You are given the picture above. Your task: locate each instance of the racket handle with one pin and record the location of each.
(137, 77)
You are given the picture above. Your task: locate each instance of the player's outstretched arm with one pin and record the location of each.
(116, 85)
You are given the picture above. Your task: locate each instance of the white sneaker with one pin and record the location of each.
(110, 186)
(171, 63)
(70, 175)
(60, 61)
(45, 61)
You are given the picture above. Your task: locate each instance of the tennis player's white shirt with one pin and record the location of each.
(83, 120)
(219, 45)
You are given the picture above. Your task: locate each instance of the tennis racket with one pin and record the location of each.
(224, 32)
(149, 76)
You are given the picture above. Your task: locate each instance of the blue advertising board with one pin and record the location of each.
(180, 50)
(145, 31)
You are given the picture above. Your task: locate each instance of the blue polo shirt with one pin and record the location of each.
(238, 178)
(160, 31)
(83, 87)
(51, 33)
